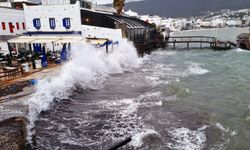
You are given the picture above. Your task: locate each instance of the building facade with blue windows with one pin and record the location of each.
(53, 18)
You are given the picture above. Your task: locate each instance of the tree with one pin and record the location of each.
(118, 5)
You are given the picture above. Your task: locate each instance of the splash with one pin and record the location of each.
(195, 69)
(88, 69)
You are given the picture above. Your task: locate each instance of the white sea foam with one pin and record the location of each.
(195, 69)
(137, 139)
(242, 50)
(151, 99)
(88, 67)
(221, 127)
(226, 130)
(186, 139)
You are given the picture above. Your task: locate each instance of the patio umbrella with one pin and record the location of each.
(44, 58)
(64, 53)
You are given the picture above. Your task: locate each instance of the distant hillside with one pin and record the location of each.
(185, 8)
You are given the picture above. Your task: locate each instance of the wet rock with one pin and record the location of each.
(13, 88)
(13, 133)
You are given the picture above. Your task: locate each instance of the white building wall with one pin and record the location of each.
(44, 12)
(11, 18)
(52, 2)
(5, 4)
(152, 19)
(131, 13)
(97, 32)
(4, 47)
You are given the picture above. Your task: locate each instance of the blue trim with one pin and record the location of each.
(66, 23)
(52, 23)
(37, 23)
(66, 32)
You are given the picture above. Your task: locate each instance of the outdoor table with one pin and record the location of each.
(3, 63)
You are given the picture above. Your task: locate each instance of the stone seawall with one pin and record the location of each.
(13, 133)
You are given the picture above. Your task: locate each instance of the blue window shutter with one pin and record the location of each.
(66, 23)
(52, 23)
(37, 23)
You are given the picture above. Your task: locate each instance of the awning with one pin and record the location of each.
(22, 39)
(97, 41)
(70, 39)
(45, 39)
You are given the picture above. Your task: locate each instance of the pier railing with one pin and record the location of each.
(200, 41)
(192, 39)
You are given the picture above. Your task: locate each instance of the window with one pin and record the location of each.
(17, 26)
(37, 23)
(66, 23)
(3, 26)
(23, 25)
(52, 23)
(11, 27)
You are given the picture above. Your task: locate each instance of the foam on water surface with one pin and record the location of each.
(137, 139)
(186, 139)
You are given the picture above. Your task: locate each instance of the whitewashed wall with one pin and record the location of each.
(14, 16)
(97, 32)
(51, 2)
(44, 12)
(4, 48)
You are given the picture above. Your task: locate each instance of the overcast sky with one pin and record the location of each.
(111, 1)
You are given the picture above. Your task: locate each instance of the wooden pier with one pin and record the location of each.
(201, 41)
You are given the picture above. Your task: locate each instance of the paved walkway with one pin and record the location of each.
(34, 74)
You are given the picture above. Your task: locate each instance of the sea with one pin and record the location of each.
(196, 99)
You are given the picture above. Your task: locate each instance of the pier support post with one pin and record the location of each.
(187, 45)
(107, 47)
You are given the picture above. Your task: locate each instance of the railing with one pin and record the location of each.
(185, 39)
(10, 73)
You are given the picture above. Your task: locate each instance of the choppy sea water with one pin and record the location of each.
(184, 100)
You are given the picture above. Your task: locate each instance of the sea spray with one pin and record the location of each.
(88, 66)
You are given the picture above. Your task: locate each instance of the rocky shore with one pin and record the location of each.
(13, 133)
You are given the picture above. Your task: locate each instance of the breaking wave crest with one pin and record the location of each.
(195, 69)
(87, 69)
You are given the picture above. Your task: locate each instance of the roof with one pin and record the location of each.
(104, 8)
(131, 23)
(24, 1)
(47, 39)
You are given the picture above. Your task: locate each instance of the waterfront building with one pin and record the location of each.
(12, 23)
(233, 22)
(152, 19)
(56, 23)
(218, 22)
(132, 13)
